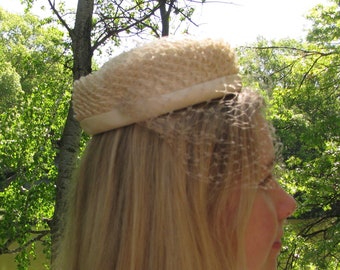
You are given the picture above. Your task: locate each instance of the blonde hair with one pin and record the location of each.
(150, 197)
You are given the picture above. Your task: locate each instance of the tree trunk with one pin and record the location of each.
(82, 51)
(165, 15)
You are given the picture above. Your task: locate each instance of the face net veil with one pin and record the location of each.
(217, 140)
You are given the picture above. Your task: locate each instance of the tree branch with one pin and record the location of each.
(6, 250)
(306, 52)
(115, 32)
(308, 71)
(60, 18)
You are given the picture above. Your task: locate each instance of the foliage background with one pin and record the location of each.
(301, 81)
(35, 88)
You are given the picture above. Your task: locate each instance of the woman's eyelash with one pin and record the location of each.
(266, 181)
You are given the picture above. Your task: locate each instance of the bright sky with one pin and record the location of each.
(241, 22)
(248, 19)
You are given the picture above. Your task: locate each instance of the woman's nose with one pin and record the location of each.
(286, 204)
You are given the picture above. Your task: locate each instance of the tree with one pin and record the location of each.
(36, 82)
(301, 82)
(9, 83)
(40, 147)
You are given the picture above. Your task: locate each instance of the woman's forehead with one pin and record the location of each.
(265, 145)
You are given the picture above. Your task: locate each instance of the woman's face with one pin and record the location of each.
(272, 205)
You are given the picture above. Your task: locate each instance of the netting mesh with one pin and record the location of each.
(219, 141)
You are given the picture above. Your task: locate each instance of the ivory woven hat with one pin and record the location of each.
(152, 80)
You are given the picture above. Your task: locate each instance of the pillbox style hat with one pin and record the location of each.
(152, 80)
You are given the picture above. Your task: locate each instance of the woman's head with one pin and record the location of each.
(174, 189)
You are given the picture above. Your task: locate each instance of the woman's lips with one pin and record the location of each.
(277, 245)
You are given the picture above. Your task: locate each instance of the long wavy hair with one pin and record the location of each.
(143, 199)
